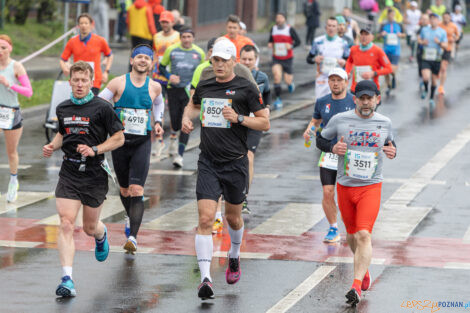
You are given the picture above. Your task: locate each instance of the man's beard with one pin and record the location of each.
(136, 69)
(337, 93)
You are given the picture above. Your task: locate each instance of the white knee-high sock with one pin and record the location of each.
(204, 248)
(236, 237)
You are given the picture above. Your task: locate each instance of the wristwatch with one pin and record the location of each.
(240, 118)
(95, 150)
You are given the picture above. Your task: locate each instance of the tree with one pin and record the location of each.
(46, 10)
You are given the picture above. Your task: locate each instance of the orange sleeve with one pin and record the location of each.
(105, 48)
(127, 17)
(67, 51)
(151, 21)
(386, 66)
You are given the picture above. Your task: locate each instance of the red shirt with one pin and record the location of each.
(88, 50)
(375, 57)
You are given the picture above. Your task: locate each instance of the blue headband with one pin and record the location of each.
(142, 50)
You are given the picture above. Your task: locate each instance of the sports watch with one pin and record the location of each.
(240, 118)
(95, 150)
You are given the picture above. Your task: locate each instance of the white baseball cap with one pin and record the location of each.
(414, 4)
(224, 49)
(338, 71)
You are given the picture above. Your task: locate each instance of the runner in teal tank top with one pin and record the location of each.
(135, 97)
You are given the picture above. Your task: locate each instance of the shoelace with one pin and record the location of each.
(233, 264)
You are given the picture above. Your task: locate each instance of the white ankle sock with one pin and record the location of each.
(335, 225)
(218, 215)
(204, 247)
(236, 237)
(67, 271)
(13, 178)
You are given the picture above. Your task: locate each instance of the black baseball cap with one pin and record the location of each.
(367, 28)
(366, 87)
(210, 43)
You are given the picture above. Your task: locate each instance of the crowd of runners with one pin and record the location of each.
(224, 88)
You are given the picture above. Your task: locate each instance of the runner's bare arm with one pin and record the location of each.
(112, 143)
(259, 122)
(190, 112)
(313, 122)
(54, 145)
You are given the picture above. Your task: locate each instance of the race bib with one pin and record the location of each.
(7, 116)
(107, 169)
(430, 54)
(328, 64)
(391, 39)
(360, 165)
(280, 49)
(358, 70)
(328, 160)
(134, 121)
(211, 112)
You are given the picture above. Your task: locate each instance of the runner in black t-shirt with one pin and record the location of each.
(84, 125)
(226, 101)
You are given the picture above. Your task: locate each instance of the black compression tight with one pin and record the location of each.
(126, 202)
(136, 212)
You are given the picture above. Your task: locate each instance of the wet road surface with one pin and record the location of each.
(421, 238)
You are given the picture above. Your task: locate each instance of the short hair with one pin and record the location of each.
(249, 48)
(282, 13)
(332, 18)
(232, 18)
(6, 38)
(81, 66)
(390, 10)
(87, 15)
(446, 13)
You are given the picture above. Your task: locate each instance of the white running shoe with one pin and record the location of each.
(178, 161)
(12, 194)
(131, 245)
(173, 150)
(158, 148)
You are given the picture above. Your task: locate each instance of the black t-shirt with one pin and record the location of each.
(88, 124)
(228, 144)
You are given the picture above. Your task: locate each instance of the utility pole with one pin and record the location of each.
(2, 9)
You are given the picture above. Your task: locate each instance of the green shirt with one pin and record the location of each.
(197, 73)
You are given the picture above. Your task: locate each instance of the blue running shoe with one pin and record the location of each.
(291, 88)
(127, 227)
(277, 104)
(66, 288)
(423, 94)
(432, 105)
(333, 235)
(102, 248)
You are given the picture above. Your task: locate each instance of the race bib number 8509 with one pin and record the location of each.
(211, 112)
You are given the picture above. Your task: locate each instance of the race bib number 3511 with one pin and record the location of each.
(360, 165)
(211, 112)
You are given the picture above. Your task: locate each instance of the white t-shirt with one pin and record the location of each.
(412, 18)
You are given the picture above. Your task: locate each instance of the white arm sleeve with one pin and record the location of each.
(158, 108)
(106, 94)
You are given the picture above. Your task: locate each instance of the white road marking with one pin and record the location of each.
(457, 265)
(112, 205)
(386, 180)
(301, 290)
(243, 255)
(266, 176)
(292, 220)
(172, 172)
(120, 249)
(397, 220)
(21, 166)
(24, 199)
(184, 218)
(350, 260)
(466, 237)
(19, 244)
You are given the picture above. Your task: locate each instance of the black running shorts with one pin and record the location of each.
(287, 65)
(253, 139)
(89, 194)
(434, 66)
(177, 101)
(327, 176)
(446, 56)
(132, 161)
(229, 179)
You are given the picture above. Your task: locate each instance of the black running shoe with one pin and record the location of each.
(353, 297)
(205, 290)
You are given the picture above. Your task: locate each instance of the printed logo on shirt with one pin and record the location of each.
(76, 125)
(260, 98)
(327, 108)
(229, 92)
(364, 139)
(195, 56)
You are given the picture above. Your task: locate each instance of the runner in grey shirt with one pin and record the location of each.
(364, 136)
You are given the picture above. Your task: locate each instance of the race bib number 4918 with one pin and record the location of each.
(135, 121)
(211, 112)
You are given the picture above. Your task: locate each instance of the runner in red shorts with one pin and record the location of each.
(364, 137)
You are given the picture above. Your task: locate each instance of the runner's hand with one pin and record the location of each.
(436, 40)
(307, 134)
(230, 114)
(341, 62)
(368, 75)
(383, 33)
(85, 150)
(270, 45)
(104, 77)
(158, 129)
(390, 150)
(288, 46)
(174, 79)
(48, 150)
(318, 59)
(187, 125)
(340, 147)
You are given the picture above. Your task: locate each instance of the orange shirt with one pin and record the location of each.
(239, 43)
(451, 30)
(88, 50)
(375, 57)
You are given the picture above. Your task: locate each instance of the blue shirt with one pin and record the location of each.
(391, 28)
(261, 80)
(326, 107)
(429, 34)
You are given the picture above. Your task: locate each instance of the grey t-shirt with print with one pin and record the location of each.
(365, 138)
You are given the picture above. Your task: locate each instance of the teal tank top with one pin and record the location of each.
(135, 98)
(9, 98)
